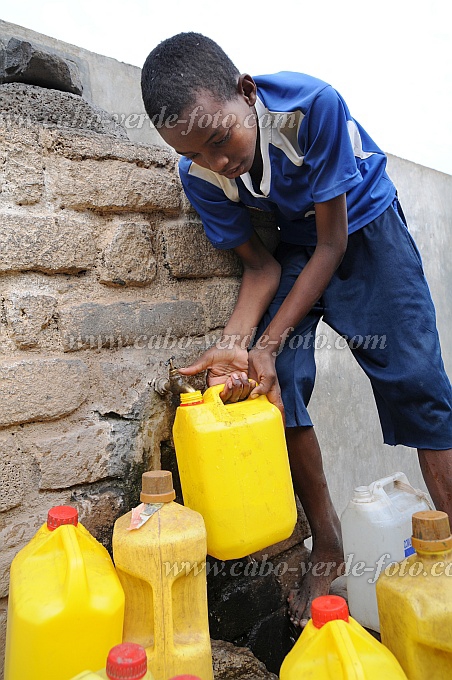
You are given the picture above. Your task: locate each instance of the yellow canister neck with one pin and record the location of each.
(191, 398)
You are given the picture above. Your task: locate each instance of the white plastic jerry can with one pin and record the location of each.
(376, 531)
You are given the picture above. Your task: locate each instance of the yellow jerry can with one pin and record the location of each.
(234, 470)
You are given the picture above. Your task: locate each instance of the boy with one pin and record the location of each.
(287, 143)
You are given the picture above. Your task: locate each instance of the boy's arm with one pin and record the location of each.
(229, 356)
(257, 291)
(260, 280)
(332, 228)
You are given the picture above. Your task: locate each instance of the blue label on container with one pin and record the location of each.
(407, 547)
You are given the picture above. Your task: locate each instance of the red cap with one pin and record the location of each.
(61, 514)
(127, 660)
(328, 608)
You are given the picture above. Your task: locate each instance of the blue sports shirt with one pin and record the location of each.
(312, 151)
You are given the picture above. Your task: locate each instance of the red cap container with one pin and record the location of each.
(127, 661)
(61, 514)
(328, 608)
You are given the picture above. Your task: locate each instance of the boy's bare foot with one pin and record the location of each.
(326, 561)
(324, 566)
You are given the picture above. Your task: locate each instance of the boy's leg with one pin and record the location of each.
(436, 467)
(326, 561)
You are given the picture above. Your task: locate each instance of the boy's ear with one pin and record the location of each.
(247, 88)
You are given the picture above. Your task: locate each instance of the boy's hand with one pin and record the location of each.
(262, 368)
(224, 366)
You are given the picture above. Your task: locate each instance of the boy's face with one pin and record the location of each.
(218, 136)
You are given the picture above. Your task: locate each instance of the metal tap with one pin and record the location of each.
(175, 383)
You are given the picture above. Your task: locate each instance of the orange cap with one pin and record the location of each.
(328, 608)
(61, 514)
(127, 661)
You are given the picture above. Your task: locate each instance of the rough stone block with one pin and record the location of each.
(47, 244)
(23, 62)
(20, 524)
(6, 557)
(270, 639)
(22, 163)
(3, 614)
(125, 448)
(128, 259)
(27, 315)
(25, 106)
(65, 143)
(122, 387)
(113, 186)
(239, 596)
(237, 663)
(99, 509)
(120, 324)
(11, 474)
(220, 300)
(76, 457)
(189, 254)
(41, 389)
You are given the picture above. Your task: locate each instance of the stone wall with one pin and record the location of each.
(105, 273)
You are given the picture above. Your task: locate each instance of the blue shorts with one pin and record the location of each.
(378, 300)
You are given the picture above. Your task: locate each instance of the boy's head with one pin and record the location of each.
(181, 67)
(200, 104)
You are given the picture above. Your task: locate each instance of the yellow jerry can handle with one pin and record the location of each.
(76, 583)
(212, 394)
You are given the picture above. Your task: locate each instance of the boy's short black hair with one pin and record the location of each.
(181, 67)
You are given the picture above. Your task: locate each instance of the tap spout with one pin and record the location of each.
(174, 383)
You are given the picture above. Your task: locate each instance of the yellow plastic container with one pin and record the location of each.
(334, 646)
(126, 661)
(415, 601)
(234, 470)
(161, 566)
(66, 604)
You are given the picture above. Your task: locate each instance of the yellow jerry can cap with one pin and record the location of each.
(157, 487)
